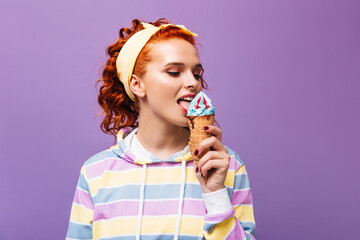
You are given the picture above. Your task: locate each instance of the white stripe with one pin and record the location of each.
(239, 174)
(102, 160)
(148, 217)
(151, 234)
(78, 238)
(86, 224)
(147, 184)
(149, 200)
(232, 229)
(116, 201)
(241, 190)
(245, 205)
(115, 218)
(83, 190)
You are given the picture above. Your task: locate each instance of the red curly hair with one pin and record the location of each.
(118, 109)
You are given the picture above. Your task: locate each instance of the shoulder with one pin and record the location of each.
(95, 165)
(100, 157)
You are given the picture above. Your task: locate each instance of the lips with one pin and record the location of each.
(184, 101)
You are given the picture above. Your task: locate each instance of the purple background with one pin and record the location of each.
(284, 77)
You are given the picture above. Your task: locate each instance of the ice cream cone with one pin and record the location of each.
(197, 134)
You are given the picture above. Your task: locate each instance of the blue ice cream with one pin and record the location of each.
(201, 105)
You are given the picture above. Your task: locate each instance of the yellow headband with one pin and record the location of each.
(127, 57)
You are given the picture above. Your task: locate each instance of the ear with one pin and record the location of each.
(137, 86)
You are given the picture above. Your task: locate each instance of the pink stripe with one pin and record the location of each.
(216, 218)
(83, 198)
(129, 157)
(114, 164)
(237, 164)
(241, 197)
(160, 207)
(168, 207)
(237, 232)
(233, 163)
(154, 208)
(95, 170)
(125, 208)
(251, 236)
(193, 207)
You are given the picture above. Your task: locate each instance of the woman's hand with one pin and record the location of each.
(214, 164)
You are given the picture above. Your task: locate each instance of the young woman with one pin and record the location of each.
(146, 186)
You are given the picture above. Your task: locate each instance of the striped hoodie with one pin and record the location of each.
(123, 196)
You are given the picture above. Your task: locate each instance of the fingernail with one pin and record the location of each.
(197, 169)
(196, 152)
(206, 128)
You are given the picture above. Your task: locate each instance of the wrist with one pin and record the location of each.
(206, 189)
(217, 202)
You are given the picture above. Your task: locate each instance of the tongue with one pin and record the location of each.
(184, 104)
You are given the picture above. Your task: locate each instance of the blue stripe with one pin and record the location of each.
(100, 156)
(79, 231)
(233, 153)
(154, 159)
(208, 227)
(249, 227)
(112, 194)
(241, 181)
(83, 184)
(229, 191)
(193, 191)
(121, 148)
(164, 191)
(120, 238)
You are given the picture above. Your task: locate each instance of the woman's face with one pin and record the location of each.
(173, 73)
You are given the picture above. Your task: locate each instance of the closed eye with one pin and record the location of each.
(174, 74)
(197, 76)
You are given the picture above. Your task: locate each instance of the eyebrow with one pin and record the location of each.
(181, 64)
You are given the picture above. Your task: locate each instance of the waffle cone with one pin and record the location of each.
(197, 134)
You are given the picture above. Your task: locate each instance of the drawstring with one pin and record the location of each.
(141, 204)
(181, 200)
(180, 206)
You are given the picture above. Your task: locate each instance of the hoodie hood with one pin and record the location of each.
(122, 150)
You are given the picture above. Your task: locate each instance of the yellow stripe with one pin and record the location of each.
(83, 172)
(81, 214)
(191, 225)
(120, 134)
(94, 186)
(142, 160)
(230, 178)
(244, 213)
(241, 169)
(220, 230)
(187, 157)
(114, 227)
(149, 225)
(188, 225)
(153, 176)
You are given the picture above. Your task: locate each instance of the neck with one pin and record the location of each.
(160, 138)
